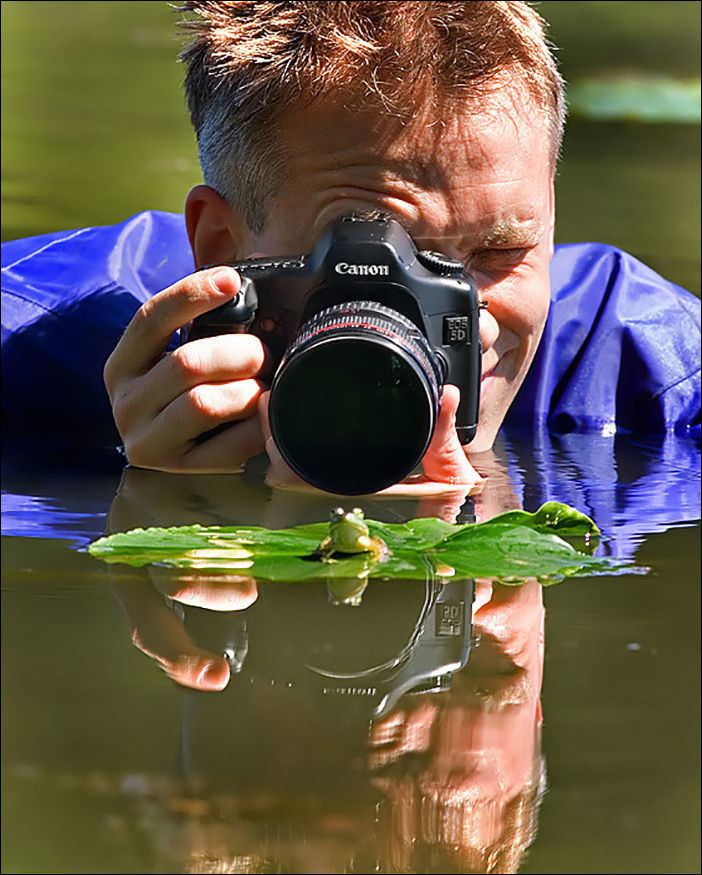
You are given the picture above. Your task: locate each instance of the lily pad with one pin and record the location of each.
(641, 98)
(511, 547)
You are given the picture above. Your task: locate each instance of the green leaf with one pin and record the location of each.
(550, 517)
(505, 551)
(511, 547)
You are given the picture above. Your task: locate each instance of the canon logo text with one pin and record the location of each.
(347, 269)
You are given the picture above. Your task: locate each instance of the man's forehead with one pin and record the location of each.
(482, 175)
(494, 144)
(487, 175)
(415, 145)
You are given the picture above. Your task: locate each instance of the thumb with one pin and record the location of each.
(445, 460)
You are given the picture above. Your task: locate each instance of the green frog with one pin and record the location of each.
(348, 533)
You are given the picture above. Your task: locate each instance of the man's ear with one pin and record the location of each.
(216, 231)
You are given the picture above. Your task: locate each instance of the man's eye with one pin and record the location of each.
(498, 259)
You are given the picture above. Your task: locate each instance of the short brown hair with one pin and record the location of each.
(249, 61)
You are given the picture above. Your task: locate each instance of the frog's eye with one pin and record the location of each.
(337, 514)
(358, 512)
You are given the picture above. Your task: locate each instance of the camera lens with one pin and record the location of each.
(355, 399)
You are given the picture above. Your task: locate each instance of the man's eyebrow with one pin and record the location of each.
(512, 232)
(506, 232)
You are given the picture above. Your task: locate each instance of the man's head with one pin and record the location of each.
(446, 115)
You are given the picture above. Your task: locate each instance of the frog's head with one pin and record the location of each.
(346, 527)
(354, 517)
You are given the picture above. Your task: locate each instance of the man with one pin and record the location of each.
(447, 116)
(363, 112)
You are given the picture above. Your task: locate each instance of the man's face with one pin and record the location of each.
(477, 186)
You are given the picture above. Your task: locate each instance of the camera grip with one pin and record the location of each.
(467, 412)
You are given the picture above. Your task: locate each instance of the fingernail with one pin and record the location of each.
(225, 280)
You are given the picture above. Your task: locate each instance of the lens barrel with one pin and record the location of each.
(355, 400)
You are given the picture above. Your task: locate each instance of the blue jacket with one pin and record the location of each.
(620, 352)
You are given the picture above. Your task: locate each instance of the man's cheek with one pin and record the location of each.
(520, 304)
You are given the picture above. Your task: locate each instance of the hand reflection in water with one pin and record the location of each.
(149, 498)
(159, 633)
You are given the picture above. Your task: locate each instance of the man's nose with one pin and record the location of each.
(489, 329)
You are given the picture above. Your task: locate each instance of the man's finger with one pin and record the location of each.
(150, 331)
(170, 445)
(204, 407)
(445, 460)
(158, 633)
(227, 451)
(220, 359)
(213, 592)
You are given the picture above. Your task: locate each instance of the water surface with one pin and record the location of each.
(123, 770)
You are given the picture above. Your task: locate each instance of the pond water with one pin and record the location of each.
(111, 765)
(581, 756)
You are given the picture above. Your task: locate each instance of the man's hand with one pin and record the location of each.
(163, 401)
(156, 630)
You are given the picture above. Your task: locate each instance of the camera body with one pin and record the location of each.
(365, 280)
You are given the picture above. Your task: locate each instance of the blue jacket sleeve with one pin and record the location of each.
(67, 298)
(620, 351)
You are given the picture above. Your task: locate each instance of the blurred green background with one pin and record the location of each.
(94, 125)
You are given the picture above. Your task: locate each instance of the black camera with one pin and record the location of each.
(365, 331)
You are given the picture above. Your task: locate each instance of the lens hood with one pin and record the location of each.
(355, 400)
